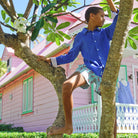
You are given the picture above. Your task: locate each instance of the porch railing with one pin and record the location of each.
(86, 119)
(127, 118)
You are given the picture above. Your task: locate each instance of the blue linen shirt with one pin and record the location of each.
(94, 47)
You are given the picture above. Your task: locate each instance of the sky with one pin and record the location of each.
(20, 6)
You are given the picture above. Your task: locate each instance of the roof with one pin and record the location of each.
(7, 52)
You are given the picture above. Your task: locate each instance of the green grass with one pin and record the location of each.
(43, 135)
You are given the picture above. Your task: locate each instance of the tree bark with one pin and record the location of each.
(108, 84)
(20, 44)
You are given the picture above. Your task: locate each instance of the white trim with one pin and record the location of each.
(134, 86)
(54, 61)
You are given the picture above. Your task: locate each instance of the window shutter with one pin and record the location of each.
(24, 96)
(30, 93)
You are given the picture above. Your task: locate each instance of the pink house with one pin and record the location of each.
(28, 99)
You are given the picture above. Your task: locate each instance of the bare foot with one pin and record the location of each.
(58, 131)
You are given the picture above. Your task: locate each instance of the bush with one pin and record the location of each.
(23, 135)
(10, 128)
(44, 135)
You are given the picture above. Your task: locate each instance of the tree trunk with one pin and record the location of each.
(20, 43)
(108, 84)
(56, 76)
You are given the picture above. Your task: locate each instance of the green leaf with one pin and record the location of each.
(20, 15)
(40, 23)
(64, 35)
(53, 12)
(47, 31)
(49, 6)
(126, 43)
(34, 34)
(63, 25)
(57, 41)
(132, 43)
(45, 2)
(3, 13)
(64, 7)
(51, 37)
(105, 8)
(106, 25)
(49, 26)
(51, 19)
(7, 19)
(103, 4)
(117, 3)
(36, 2)
(135, 19)
(109, 12)
(37, 28)
(135, 10)
(59, 37)
(134, 36)
(133, 30)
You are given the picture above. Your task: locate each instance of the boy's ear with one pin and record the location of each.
(91, 15)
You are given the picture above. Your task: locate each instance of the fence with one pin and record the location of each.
(86, 119)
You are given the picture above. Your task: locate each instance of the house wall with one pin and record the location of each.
(45, 105)
(130, 62)
(15, 62)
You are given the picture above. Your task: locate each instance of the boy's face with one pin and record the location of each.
(98, 19)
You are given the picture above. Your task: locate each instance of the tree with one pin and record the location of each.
(3, 68)
(24, 32)
(108, 84)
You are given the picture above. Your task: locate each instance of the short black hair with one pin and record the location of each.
(93, 10)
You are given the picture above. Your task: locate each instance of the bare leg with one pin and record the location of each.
(69, 85)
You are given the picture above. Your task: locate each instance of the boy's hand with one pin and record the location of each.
(42, 58)
(112, 6)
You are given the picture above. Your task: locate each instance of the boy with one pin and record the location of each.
(94, 46)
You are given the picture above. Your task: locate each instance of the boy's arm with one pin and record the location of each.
(112, 6)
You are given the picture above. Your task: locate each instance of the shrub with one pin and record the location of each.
(10, 128)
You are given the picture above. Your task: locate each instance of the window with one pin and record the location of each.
(0, 106)
(9, 65)
(28, 95)
(122, 73)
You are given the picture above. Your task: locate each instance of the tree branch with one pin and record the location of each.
(6, 3)
(6, 25)
(35, 13)
(85, 6)
(12, 9)
(1, 34)
(64, 3)
(6, 7)
(28, 9)
(71, 15)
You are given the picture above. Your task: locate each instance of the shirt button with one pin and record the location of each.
(97, 49)
(95, 41)
(99, 57)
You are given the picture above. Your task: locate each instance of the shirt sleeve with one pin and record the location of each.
(110, 30)
(72, 54)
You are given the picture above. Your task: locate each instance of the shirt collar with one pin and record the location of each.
(85, 30)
